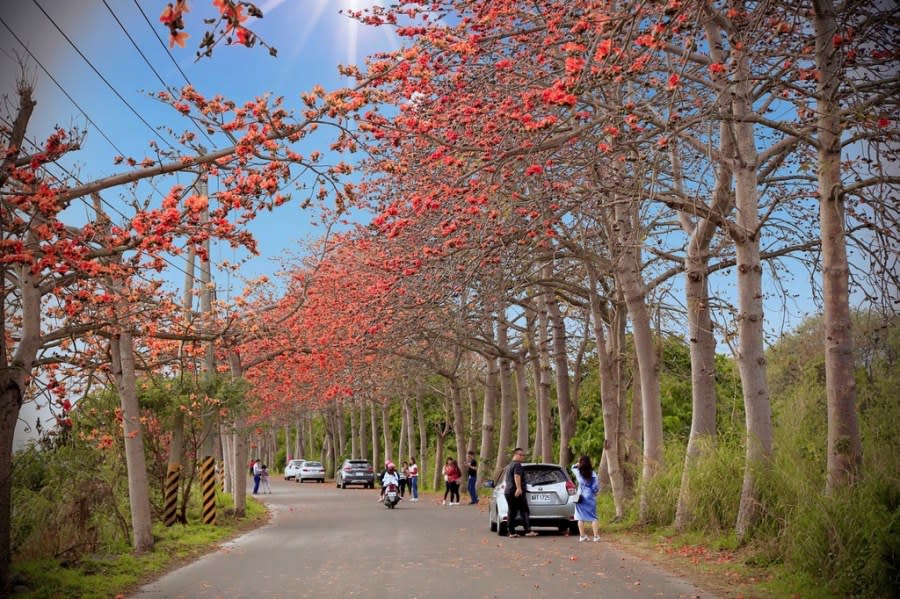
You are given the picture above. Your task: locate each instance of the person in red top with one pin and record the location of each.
(452, 475)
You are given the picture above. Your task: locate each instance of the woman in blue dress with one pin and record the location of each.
(586, 509)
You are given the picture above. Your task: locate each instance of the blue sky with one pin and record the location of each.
(311, 36)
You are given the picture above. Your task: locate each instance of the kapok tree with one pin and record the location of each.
(46, 259)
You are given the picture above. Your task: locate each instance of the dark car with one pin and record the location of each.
(550, 495)
(355, 472)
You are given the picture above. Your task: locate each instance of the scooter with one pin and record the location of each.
(391, 496)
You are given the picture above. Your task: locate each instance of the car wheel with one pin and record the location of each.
(493, 523)
(343, 485)
(502, 528)
(573, 528)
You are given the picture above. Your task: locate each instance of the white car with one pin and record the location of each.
(292, 469)
(550, 494)
(311, 470)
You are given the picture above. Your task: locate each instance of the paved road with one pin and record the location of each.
(327, 542)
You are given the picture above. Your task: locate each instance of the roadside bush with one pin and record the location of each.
(661, 493)
(66, 501)
(716, 484)
(850, 539)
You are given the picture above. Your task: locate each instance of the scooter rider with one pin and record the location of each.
(390, 477)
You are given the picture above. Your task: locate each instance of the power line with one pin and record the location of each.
(62, 89)
(72, 100)
(162, 43)
(134, 43)
(108, 204)
(104, 79)
(150, 65)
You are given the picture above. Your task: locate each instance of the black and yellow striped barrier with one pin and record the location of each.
(208, 484)
(170, 500)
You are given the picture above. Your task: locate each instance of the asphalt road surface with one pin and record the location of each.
(328, 542)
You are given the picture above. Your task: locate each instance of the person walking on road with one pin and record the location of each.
(413, 479)
(586, 508)
(264, 479)
(472, 467)
(514, 493)
(451, 479)
(257, 473)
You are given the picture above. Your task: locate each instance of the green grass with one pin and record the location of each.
(105, 576)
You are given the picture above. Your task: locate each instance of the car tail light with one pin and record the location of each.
(570, 487)
(347, 468)
(370, 469)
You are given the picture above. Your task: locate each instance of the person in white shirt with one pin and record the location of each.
(257, 474)
(413, 479)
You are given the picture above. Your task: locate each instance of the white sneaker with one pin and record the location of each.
(582, 539)
(444, 502)
(596, 539)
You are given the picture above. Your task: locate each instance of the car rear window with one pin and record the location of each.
(313, 464)
(544, 475)
(358, 463)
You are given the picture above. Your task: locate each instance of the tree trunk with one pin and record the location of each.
(506, 387)
(240, 446)
(410, 430)
(844, 446)
(487, 418)
(560, 359)
(636, 428)
(439, 456)
(472, 439)
(700, 329)
(15, 370)
(387, 434)
(751, 353)
(363, 442)
(354, 434)
(138, 489)
(628, 275)
(401, 442)
(374, 422)
(228, 465)
(340, 432)
(12, 390)
(423, 435)
(298, 440)
(459, 422)
(328, 458)
(522, 401)
(544, 385)
(607, 354)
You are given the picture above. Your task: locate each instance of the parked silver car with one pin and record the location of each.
(550, 495)
(291, 469)
(311, 470)
(355, 472)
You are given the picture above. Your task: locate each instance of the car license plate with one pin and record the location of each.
(541, 498)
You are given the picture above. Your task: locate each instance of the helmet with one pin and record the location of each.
(390, 465)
